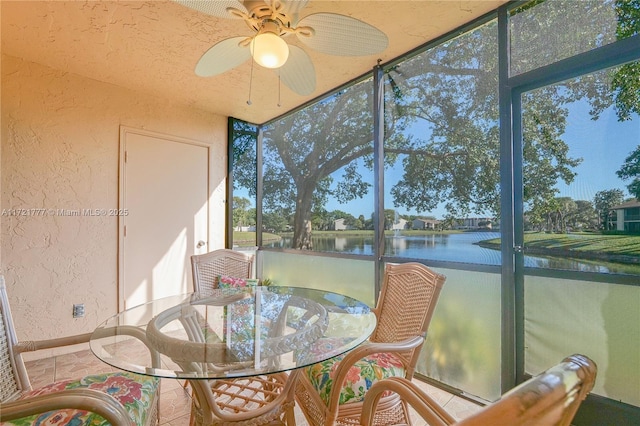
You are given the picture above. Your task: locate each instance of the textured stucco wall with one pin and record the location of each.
(2, 135)
(60, 139)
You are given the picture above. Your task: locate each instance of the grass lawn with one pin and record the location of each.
(627, 245)
(246, 239)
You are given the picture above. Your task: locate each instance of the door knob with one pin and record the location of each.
(200, 244)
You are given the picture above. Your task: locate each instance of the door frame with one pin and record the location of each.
(124, 132)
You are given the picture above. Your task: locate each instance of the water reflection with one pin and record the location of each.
(460, 247)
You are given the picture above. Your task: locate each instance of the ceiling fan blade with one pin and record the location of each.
(293, 7)
(223, 56)
(342, 35)
(214, 7)
(298, 73)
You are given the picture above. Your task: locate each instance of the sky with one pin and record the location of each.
(604, 146)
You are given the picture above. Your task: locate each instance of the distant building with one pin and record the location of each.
(425, 223)
(626, 216)
(474, 223)
(339, 225)
(400, 225)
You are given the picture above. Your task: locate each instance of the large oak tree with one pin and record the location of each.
(442, 125)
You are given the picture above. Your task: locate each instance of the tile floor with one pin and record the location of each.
(175, 401)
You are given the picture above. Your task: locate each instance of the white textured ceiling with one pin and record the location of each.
(153, 46)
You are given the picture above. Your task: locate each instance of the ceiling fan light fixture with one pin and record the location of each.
(269, 50)
(270, 22)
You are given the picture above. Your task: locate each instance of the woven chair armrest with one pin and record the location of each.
(83, 399)
(132, 331)
(422, 403)
(379, 347)
(342, 369)
(36, 345)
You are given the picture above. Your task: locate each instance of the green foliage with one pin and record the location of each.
(631, 170)
(242, 213)
(626, 81)
(266, 282)
(275, 222)
(244, 155)
(603, 202)
(628, 12)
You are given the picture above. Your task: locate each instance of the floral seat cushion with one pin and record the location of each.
(362, 375)
(135, 392)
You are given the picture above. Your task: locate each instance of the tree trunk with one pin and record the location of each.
(302, 220)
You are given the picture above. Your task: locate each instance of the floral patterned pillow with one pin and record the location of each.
(225, 281)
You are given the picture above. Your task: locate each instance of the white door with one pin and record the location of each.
(164, 196)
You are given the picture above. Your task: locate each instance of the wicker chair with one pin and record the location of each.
(83, 401)
(207, 267)
(252, 400)
(332, 392)
(551, 398)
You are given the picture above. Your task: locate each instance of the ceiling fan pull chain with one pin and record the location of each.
(250, 83)
(279, 88)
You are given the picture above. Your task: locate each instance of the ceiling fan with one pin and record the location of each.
(275, 20)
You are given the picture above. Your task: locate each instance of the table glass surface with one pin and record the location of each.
(233, 332)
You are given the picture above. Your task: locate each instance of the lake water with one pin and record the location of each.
(450, 248)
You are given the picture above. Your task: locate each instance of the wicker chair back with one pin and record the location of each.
(207, 267)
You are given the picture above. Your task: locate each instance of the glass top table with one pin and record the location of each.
(233, 332)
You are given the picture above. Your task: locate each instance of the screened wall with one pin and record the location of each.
(503, 155)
